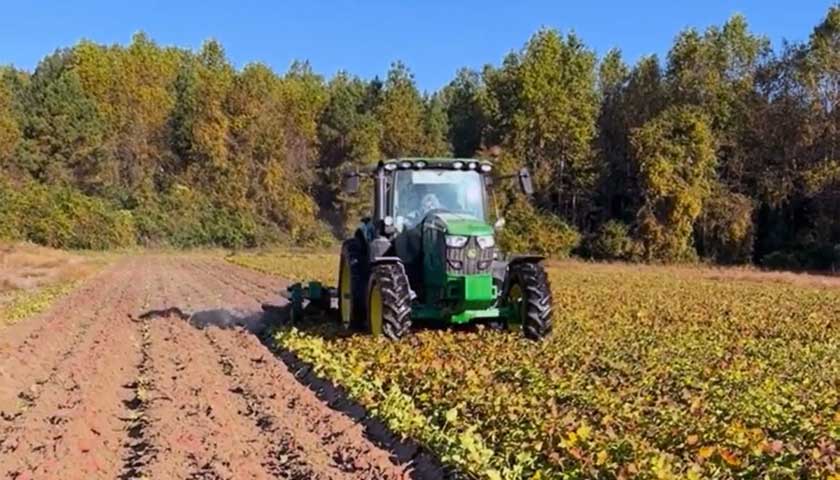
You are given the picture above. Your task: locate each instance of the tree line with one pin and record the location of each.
(726, 150)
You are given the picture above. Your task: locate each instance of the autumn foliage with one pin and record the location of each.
(726, 150)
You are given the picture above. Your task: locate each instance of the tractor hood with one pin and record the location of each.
(458, 224)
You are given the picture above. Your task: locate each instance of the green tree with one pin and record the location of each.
(549, 93)
(435, 128)
(822, 64)
(349, 137)
(63, 133)
(401, 114)
(201, 125)
(9, 129)
(271, 140)
(676, 159)
(464, 112)
(628, 101)
(793, 138)
(304, 95)
(725, 231)
(132, 88)
(500, 100)
(715, 71)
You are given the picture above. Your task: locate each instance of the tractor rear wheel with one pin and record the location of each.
(351, 285)
(529, 296)
(389, 301)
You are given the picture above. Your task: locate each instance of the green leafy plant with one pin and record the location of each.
(651, 372)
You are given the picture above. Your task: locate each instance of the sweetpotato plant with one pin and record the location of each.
(650, 373)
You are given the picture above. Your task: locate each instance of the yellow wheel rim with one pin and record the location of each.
(344, 294)
(515, 300)
(375, 311)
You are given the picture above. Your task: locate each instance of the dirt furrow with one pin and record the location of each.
(197, 426)
(291, 413)
(287, 412)
(186, 289)
(136, 448)
(32, 365)
(253, 282)
(116, 381)
(74, 423)
(241, 293)
(29, 356)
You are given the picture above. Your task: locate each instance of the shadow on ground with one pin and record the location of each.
(254, 322)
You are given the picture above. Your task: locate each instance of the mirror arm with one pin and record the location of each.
(522, 173)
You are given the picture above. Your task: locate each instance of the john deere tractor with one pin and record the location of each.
(428, 254)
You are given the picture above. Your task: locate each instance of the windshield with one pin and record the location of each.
(418, 192)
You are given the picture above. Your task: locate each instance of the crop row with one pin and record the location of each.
(650, 373)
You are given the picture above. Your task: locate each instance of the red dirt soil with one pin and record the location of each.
(93, 388)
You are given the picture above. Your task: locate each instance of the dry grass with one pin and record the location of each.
(306, 264)
(26, 266)
(32, 277)
(726, 274)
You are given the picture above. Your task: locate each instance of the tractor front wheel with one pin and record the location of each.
(529, 297)
(389, 301)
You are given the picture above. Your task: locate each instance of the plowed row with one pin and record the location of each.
(99, 388)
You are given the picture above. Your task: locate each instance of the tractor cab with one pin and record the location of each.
(416, 193)
(429, 253)
(408, 189)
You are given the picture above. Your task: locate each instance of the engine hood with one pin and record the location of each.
(458, 224)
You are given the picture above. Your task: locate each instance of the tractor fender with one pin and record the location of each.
(503, 269)
(387, 260)
(525, 258)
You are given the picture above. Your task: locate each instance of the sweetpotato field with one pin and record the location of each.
(651, 372)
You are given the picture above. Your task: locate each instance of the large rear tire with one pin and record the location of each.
(529, 295)
(389, 301)
(352, 285)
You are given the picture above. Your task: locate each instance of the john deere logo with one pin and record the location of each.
(471, 253)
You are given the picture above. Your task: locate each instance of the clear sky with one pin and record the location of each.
(433, 37)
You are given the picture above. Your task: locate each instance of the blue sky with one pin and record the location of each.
(433, 37)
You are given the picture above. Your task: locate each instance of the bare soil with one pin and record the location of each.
(119, 380)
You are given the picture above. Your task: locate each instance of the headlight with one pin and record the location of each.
(485, 241)
(456, 241)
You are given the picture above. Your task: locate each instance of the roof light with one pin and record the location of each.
(405, 164)
(420, 164)
(458, 165)
(472, 165)
(390, 166)
(486, 168)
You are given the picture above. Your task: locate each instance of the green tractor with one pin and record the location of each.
(428, 254)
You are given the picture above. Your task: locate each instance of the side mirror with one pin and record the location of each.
(525, 183)
(500, 224)
(351, 183)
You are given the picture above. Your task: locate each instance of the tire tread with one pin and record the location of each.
(538, 306)
(396, 299)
